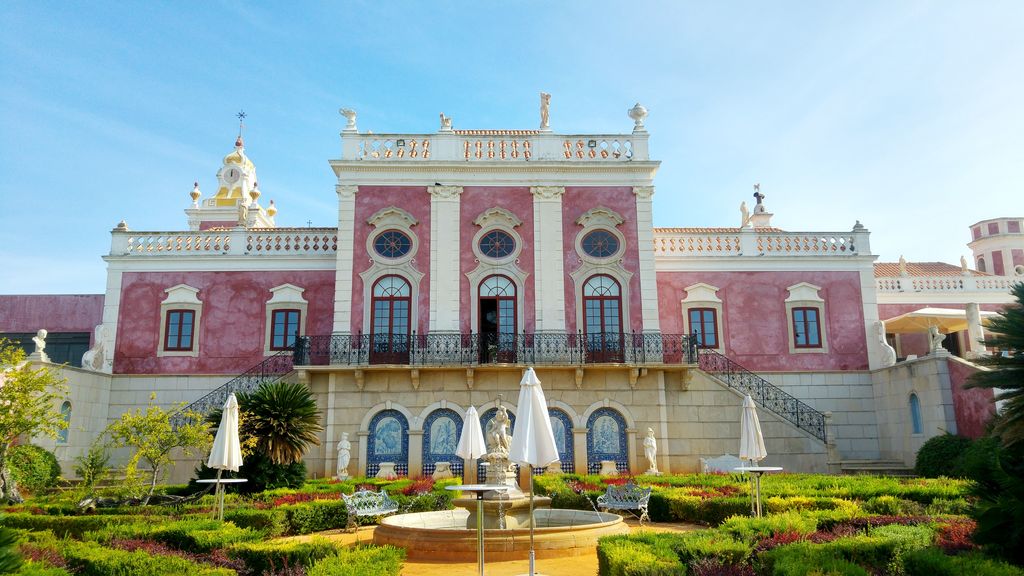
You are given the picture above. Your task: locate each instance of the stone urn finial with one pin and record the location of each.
(638, 113)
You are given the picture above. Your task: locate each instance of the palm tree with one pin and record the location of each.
(1007, 373)
(280, 420)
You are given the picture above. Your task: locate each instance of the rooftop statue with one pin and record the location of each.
(545, 104)
(349, 115)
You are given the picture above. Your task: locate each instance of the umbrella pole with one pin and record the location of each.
(532, 522)
(480, 533)
(220, 497)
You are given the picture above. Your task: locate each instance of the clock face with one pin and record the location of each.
(232, 175)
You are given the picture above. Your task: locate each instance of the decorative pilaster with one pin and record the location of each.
(645, 239)
(548, 258)
(579, 449)
(445, 296)
(346, 251)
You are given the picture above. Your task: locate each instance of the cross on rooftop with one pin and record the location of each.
(241, 117)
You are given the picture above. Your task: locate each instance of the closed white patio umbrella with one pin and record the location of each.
(751, 440)
(471, 443)
(226, 453)
(533, 441)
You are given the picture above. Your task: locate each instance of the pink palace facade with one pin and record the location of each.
(463, 256)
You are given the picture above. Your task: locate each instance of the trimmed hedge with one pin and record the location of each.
(34, 468)
(90, 559)
(645, 554)
(261, 557)
(363, 561)
(932, 562)
(272, 522)
(942, 456)
(315, 516)
(73, 526)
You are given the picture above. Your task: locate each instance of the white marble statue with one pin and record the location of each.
(344, 456)
(903, 266)
(963, 266)
(39, 355)
(446, 123)
(744, 215)
(349, 115)
(651, 451)
(975, 334)
(95, 358)
(935, 339)
(545, 105)
(497, 432)
(888, 352)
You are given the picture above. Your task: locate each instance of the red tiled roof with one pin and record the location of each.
(892, 269)
(711, 230)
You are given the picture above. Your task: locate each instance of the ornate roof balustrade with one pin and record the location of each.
(766, 242)
(475, 349)
(494, 146)
(229, 241)
(938, 284)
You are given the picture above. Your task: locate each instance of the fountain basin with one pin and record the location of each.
(516, 511)
(443, 535)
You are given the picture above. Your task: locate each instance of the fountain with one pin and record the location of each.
(452, 534)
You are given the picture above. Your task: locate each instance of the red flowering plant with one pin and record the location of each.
(419, 486)
(954, 537)
(304, 497)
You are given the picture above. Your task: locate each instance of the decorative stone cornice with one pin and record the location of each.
(643, 192)
(547, 192)
(392, 216)
(444, 192)
(497, 216)
(346, 191)
(600, 216)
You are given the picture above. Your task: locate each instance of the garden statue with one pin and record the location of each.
(344, 456)
(651, 452)
(963, 266)
(545, 105)
(903, 266)
(349, 115)
(744, 215)
(40, 352)
(446, 123)
(935, 339)
(497, 432)
(95, 358)
(888, 352)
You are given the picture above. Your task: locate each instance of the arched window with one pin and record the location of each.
(441, 432)
(606, 440)
(497, 303)
(388, 441)
(65, 415)
(981, 264)
(915, 414)
(392, 299)
(602, 319)
(561, 426)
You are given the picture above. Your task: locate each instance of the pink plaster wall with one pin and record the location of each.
(577, 201)
(755, 323)
(474, 201)
(55, 313)
(973, 407)
(918, 343)
(232, 328)
(997, 263)
(416, 201)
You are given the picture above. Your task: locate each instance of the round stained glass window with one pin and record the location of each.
(600, 244)
(392, 244)
(497, 244)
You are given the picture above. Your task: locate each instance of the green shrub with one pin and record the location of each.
(714, 511)
(942, 456)
(37, 569)
(272, 522)
(714, 544)
(91, 467)
(892, 506)
(196, 536)
(932, 562)
(315, 516)
(90, 559)
(791, 561)
(363, 561)
(9, 559)
(644, 554)
(74, 526)
(260, 557)
(751, 529)
(34, 468)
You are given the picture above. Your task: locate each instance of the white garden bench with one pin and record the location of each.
(368, 503)
(628, 497)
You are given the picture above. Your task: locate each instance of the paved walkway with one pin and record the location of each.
(585, 564)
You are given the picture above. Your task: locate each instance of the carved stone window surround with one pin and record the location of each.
(180, 297)
(284, 297)
(701, 295)
(805, 295)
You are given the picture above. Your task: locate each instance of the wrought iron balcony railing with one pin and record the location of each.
(270, 370)
(474, 349)
(765, 394)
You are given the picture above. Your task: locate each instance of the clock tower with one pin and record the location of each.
(236, 202)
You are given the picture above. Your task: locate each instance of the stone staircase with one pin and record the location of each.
(876, 467)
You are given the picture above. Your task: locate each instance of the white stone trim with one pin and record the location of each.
(805, 295)
(601, 218)
(284, 297)
(574, 416)
(364, 425)
(484, 271)
(343, 264)
(439, 405)
(482, 173)
(620, 274)
(645, 240)
(392, 218)
(548, 259)
(497, 219)
(180, 297)
(445, 299)
(111, 313)
(378, 271)
(608, 403)
(701, 295)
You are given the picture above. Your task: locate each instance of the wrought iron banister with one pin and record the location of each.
(767, 395)
(474, 349)
(272, 369)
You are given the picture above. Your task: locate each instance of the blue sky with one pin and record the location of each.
(907, 116)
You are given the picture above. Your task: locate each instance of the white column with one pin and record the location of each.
(111, 311)
(343, 270)
(445, 296)
(548, 258)
(645, 239)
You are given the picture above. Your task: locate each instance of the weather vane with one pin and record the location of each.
(241, 118)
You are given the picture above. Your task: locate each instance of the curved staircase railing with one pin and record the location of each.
(765, 394)
(272, 369)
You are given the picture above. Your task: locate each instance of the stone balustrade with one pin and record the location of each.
(932, 284)
(494, 146)
(234, 241)
(724, 242)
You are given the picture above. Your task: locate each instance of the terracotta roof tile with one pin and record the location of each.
(892, 269)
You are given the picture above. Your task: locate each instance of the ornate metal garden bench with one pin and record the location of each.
(629, 497)
(368, 503)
